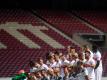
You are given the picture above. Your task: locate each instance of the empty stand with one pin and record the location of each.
(64, 22)
(96, 18)
(22, 39)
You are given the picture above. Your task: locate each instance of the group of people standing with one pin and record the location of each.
(86, 65)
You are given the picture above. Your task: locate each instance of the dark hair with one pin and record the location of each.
(47, 55)
(40, 58)
(80, 63)
(87, 52)
(56, 52)
(31, 63)
(94, 48)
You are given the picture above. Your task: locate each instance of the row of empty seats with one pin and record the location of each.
(96, 18)
(65, 22)
(17, 16)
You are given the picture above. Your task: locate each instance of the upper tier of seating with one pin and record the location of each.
(65, 22)
(96, 18)
(24, 37)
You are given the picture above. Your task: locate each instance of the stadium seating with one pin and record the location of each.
(96, 18)
(22, 44)
(17, 51)
(65, 22)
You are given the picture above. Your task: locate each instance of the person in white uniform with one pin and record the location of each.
(98, 67)
(82, 73)
(58, 61)
(51, 62)
(64, 63)
(33, 66)
(42, 65)
(86, 48)
(90, 65)
(74, 59)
